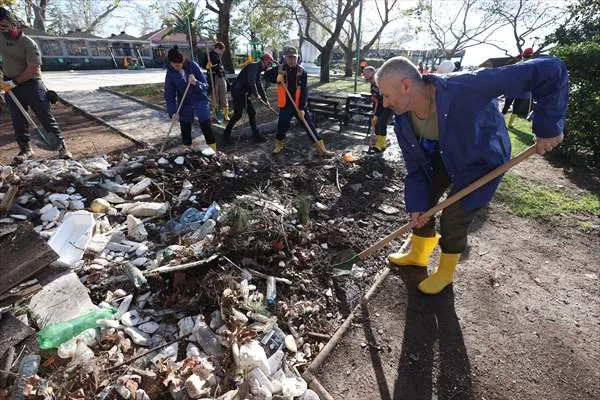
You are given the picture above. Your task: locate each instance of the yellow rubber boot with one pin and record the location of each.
(441, 278)
(279, 146)
(213, 146)
(322, 151)
(380, 142)
(420, 251)
(226, 113)
(511, 120)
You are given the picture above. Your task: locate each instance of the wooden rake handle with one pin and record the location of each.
(187, 88)
(451, 200)
(26, 114)
(310, 131)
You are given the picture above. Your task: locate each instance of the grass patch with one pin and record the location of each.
(520, 134)
(338, 85)
(150, 92)
(527, 199)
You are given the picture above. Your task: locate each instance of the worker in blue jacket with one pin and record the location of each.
(451, 132)
(180, 73)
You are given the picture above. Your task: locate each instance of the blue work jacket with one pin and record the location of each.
(175, 84)
(473, 139)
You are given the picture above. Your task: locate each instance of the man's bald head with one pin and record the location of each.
(400, 67)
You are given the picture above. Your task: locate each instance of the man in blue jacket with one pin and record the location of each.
(451, 132)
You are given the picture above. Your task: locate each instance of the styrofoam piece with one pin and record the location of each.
(72, 236)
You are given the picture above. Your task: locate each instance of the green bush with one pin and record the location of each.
(582, 136)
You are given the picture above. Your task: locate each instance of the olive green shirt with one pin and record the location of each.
(17, 54)
(427, 128)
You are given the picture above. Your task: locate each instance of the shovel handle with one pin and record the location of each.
(310, 131)
(26, 114)
(451, 200)
(187, 88)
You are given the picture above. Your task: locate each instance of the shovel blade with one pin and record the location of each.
(344, 259)
(45, 141)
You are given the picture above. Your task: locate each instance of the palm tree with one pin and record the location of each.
(188, 20)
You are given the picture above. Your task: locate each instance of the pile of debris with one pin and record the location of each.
(135, 312)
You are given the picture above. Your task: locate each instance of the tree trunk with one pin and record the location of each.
(224, 37)
(325, 58)
(349, 65)
(39, 22)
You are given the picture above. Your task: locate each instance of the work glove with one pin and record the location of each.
(301, 114)
(374, 120)
(280, 79)
(7, 85)
(209, 65)
(52, 96)
(192, 79)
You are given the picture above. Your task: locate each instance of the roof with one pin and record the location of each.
(82, 35)
(122, 36)
(35, 32)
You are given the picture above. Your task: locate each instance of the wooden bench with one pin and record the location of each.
(327, 108)
(360, 104)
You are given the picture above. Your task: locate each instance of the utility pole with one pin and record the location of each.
(357, 69)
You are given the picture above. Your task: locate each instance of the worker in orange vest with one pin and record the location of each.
(295, 78)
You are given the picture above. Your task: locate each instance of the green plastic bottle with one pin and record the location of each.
(54, 335)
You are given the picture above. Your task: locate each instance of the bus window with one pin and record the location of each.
(76, 48)
(99, 49)
(50, 47)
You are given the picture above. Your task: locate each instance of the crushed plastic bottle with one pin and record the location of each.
(54, 335)
(67, 349)
(271, 290)
(206, 338)
(207, 228)
(28, 367)
(83, 358)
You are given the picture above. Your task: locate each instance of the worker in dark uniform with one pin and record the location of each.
(381, 115)
(247, 85)
(295, 78)
(22, 74)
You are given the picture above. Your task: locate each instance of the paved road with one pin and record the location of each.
(63, 81)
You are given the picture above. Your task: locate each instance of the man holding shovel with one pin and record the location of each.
(451, 133)
(292, 95)
(21, 67)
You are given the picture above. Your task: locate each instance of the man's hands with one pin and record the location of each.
(7, 85)
(419, 219)
(280, 79)
(175, 117)
(374, 120)
(543, 145)
(209, 65)
(301, 114)
(192, 79)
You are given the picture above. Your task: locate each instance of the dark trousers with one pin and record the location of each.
(507, 103)
(241, 100)
(32, 94)
(382, 122)
(285, 117)
(455, 221)
(186, 132)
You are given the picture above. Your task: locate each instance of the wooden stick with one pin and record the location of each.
(149, 351)
(187, 88)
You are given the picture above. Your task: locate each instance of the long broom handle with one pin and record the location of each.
(187, 88)
(310, 131)
(451, 200)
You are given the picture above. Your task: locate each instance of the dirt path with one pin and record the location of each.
(521, 322)
(84, 137)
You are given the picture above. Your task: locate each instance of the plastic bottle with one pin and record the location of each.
(54, 335)
(206, 338)
(29, 367)
(271, 290)
(212, 212)
(66, 349)
(207, 228)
